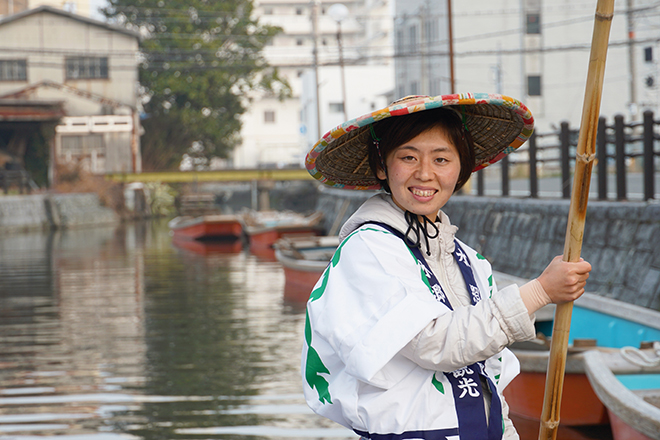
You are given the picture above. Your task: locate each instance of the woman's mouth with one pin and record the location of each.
(422, 192)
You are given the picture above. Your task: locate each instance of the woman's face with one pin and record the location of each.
(422, 173)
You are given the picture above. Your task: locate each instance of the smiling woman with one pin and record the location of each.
(428, 156)
(422, 173)
(406, 333)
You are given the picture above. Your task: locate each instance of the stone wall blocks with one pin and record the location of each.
(635, 268)
(621, 233)
(649, 287)
(651, 212)
(647, 236)
(595, 233)
(559, 233)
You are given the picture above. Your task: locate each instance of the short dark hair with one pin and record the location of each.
(397, 130)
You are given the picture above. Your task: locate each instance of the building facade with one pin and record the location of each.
(280, 132)
(533, 50)
(89, 67)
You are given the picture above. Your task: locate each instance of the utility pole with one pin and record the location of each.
(315, 56)
(631, 60)
(422, 47)
(452, 81)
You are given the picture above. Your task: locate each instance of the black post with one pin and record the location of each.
(620, 153)
(601, 154)
(505, 176)
(533, 177)
(5, 181)
(564, 140)
(649, 156)
(480, 182)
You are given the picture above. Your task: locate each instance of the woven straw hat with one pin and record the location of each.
(498, 125)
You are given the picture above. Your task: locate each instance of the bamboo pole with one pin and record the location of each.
(585, 156)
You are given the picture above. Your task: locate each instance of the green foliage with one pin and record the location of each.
(200, 60)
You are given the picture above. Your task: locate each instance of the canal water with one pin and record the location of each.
(113, 333)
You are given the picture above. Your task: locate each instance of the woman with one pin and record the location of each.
(406, 332)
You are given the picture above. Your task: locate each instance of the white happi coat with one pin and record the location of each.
(361, 359)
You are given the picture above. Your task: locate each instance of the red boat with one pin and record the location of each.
(208, 247)
(265, 228)
(204, 227)
(303, 259)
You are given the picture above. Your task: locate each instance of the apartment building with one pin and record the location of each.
(279, 133)
(533, 50)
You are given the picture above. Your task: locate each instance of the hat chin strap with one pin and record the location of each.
(420, 230)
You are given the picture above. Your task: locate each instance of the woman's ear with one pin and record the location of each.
(380, 173)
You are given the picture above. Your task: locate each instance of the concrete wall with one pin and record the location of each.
(19, 213)
(520, 237)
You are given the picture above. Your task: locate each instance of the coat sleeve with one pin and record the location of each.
(474, 333)
(370, 303)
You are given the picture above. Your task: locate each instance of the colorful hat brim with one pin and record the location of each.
(498, 125)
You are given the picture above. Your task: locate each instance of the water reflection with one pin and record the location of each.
(114, 333)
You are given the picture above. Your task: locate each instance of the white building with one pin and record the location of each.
(278, 133)
(90, 67)
(80, 7)
(533, 50)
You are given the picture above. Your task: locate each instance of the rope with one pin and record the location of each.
(638, 357)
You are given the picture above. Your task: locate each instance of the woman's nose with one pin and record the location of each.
(424, 171)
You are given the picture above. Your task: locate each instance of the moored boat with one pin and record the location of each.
(204, 227)
(303, 259)
(597, 322)
(208, 247)
(632, 399)
(264, 228)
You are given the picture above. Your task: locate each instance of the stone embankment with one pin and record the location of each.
(520, 237)
(53, 211)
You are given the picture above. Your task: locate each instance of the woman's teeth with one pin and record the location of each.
(423, 193)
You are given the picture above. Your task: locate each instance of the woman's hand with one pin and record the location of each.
(564, 281)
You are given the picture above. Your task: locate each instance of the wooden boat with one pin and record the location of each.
(632, 397)
(597, 322)
(205, 227)
(208, 247)
(264, 228)
(303, 259)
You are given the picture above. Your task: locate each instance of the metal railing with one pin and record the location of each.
(617, 145)
(16, 178)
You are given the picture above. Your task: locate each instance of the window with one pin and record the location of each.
(299, 42)
(399, 42)
(412, 34)
(269, 116)
(81, 145)
(336, 107)
(534, 23)
(13, 70)
(534, 85)
(268, 11)
(430, 30)
(86, 67)
(299, 11)
(648, 54)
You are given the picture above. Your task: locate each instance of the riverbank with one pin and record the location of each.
(53, 211)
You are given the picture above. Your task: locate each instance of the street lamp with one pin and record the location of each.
(339, 13)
